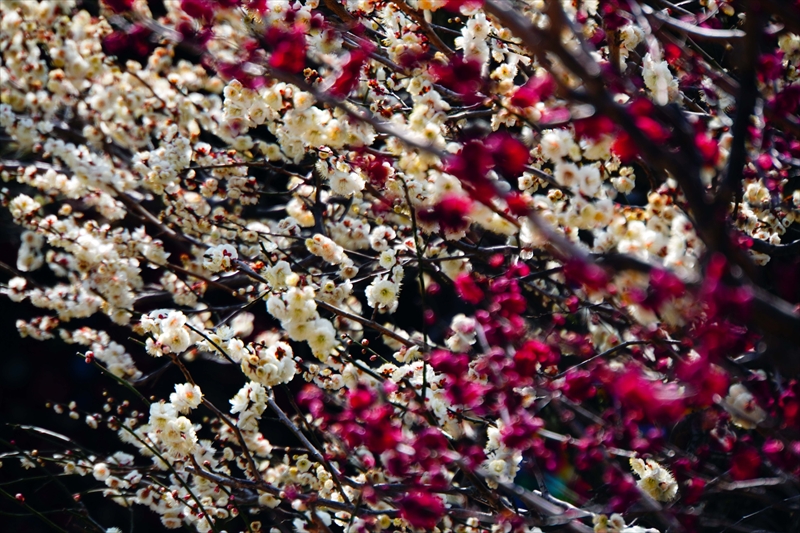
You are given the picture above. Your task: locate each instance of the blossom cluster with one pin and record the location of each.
(488, 266)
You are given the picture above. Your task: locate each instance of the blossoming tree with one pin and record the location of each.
(488, 265)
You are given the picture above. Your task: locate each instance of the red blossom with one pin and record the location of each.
(471, 165)
(136, 43)
(785, 103)
(230, 71)
(410, 59)
(770, 67)
(453, 364)
(468, 290)
(626, 493)
(693, 491)
(288, 49)
(464, 77)
(199, 9)
(708, 148)
(612, 13)
(764, 161)
(625, 148)
(312, 398)
(497, 260)
(706, 380)
(789, 403)
(553, 116)
(578, 385)
(259, 6)
(664, 286)
(421, 509)
(472, 455)
(589, 275)
(532, 354)
(397, 464)
(517, 204)
(660, 402)
(430, 447)
(382, 437)
(451, 213)
(462, 391)
(745, 463)
(593, 127)
(672, 53)
(360, 398)
(535, 90)
(509, 304)
(348, 77)
(652, 129)
(510, 155)
(377, 168)
(119, 6)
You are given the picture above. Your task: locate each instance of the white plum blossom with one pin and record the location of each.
(242, 190)
(616, 524)
(321, 338)
(464, 333)
(346, 183)
(382, 294)
(23, 206)
(655, 480)
(220, 258)
(557, 144)
(186, 397)
(745, 411)
(270, 366)
(380, 237)
(659, 80)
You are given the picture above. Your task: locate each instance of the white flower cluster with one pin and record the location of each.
(175, 434)
(23, 206)
(290, 115)
(502, 463)
(297, 311)
(161, 167)
(220, 257)
(384, 291)
(186, 397)
(30, 255)
(110, 353)
(616, 524)
(655, 480)
(745, 411)
(270, 366)
(342, 180)
(249, 404)
(169, 333)
(332, 253)
(289, 189)
(464, 333)
(474, 38)
(659, 80)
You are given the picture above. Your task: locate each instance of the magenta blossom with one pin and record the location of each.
(348, 78)
(288, 49)
(199, 9)
(119, 6)
(421, 509)
(462, 76)
(468, 290)
(451, 213)
(536, 89)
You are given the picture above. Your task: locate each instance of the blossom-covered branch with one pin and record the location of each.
(473, 266)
